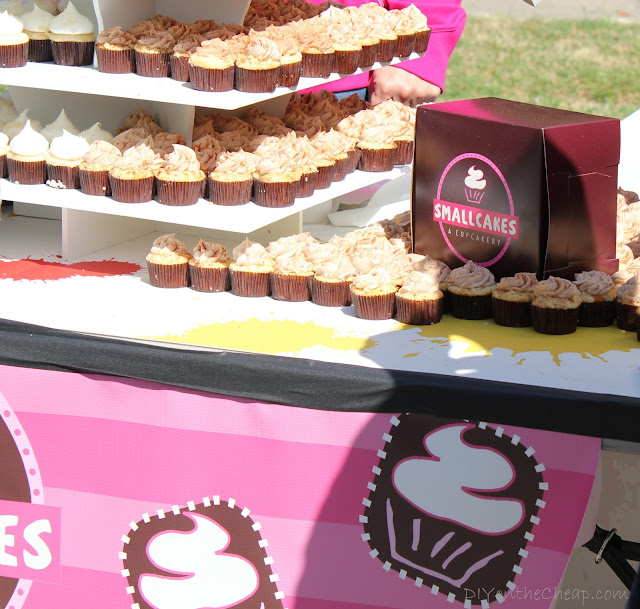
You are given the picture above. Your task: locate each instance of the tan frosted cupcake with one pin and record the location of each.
(627, 301)
(275, 182)
(291, 277)
(209, 268)
(418, 24)
(211, 66)
(72, 38)
(373, 294)
(179, 181)
(598, 308)
(376, 142)
(555, 306)
(317, 50)
(258, 67)
(231, 181)
(251, 270)
(290, 62)
(114, 51)
(511, 305)
(405, 29)
(168, 263)
(182, 51)
(95, 166)
(63, 159)
(14, 43)
(331, 283)
(470, 291)
(36, 26)
(419, 301)
(152, 53)
(131, 176)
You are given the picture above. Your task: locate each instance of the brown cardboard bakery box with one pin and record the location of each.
(515, 187)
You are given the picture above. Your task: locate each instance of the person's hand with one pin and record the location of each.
(394, 83)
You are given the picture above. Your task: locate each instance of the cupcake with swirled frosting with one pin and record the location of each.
(209, 268)
(290, 279)
(512, 300)
(179, 181)
(212, 66)
(131, 176)
(373, 294)
(183, 49)
(231, 181)
(114, 51)
(14, 43)
(419, 301)
(152, 53)
(63, 160)
(627, 302)
(258, 66)
(26, 157)
(276, 181)
(555, 306)
(598, 292)
(331, 283)
(36, 26)
(168, 263)
(95, 166)
(417, 21)
(471, 288)
(72, 38)
(251, 270)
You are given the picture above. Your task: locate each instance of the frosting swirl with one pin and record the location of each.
(205, 252)
(68, 147)
(101, 154)
(471, 276)
(70, 21)
(168, 245)
(29, 142)
(594, 283)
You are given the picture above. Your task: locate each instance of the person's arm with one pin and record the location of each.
(422, 80)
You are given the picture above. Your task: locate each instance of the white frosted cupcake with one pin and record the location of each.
(96, 132)
(26, 158)
(36, 25)
(63, 160)
(14, 43)
(72, 38)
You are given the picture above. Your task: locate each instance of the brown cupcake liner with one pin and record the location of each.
(131, 191)
(230, 193)
(346, 62)
(326, 175)
(369, 55)
(597, 314)
(152, 65)
(3, 166)
(214, 81)
(256, 81)
(470, 307)
(422, 41)
(27, 172)
(386, 50)
(289, 74)
(169, 192)
(554, 321)
(446, 301)
(511, 314)
(307, 184)
(405, 45)
(626, 316)
(95, 183)
(209, 279)
(317, 65)
(290, 288)
(353, 161)
(331, 293)
(40, 50)
(14, 55)
(378, 306)
(340, 169)
(378, 159)
(115, 62)
(638, 326)
(274, 194)
(418, 312)
(404, 152)
(247, 283)
(61, 176)
(168, 275)
(179, 68)
(72, 53)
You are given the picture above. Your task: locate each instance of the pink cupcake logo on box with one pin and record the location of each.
(475, 210)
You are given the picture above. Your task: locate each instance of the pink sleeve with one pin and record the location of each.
(446, 20)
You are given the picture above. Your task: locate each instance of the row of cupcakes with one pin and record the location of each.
(372, 270)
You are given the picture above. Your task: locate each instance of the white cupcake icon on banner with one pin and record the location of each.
(474, 185)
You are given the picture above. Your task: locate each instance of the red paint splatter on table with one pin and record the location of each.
(39, 270)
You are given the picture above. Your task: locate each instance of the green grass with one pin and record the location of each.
(585, 66)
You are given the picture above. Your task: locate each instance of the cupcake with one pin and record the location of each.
(168, 263)
(72, 38)
(63, 159)
(598, 308)
(131, 176)
(377, 145)
(182, 51)
(419, 301)
(470, 291)
(258, 66)
(405, 29)
(209, 268)
(231, 181)
(211, 66)
(26, 157)
(4, 150)
(57, 127)
(512, 298)
(439, 270)
(36, 26)
(14, 43)
(317, 52)
(251, 270)
(179, 180)
(347, 51)
(627, 301)
(275, 182)
(373, 295)
(290, 62)
(331, 283)
(555, 306)
(291, 277)
(93, 172)
(114, 51)
(152, 53)
(417, 22)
